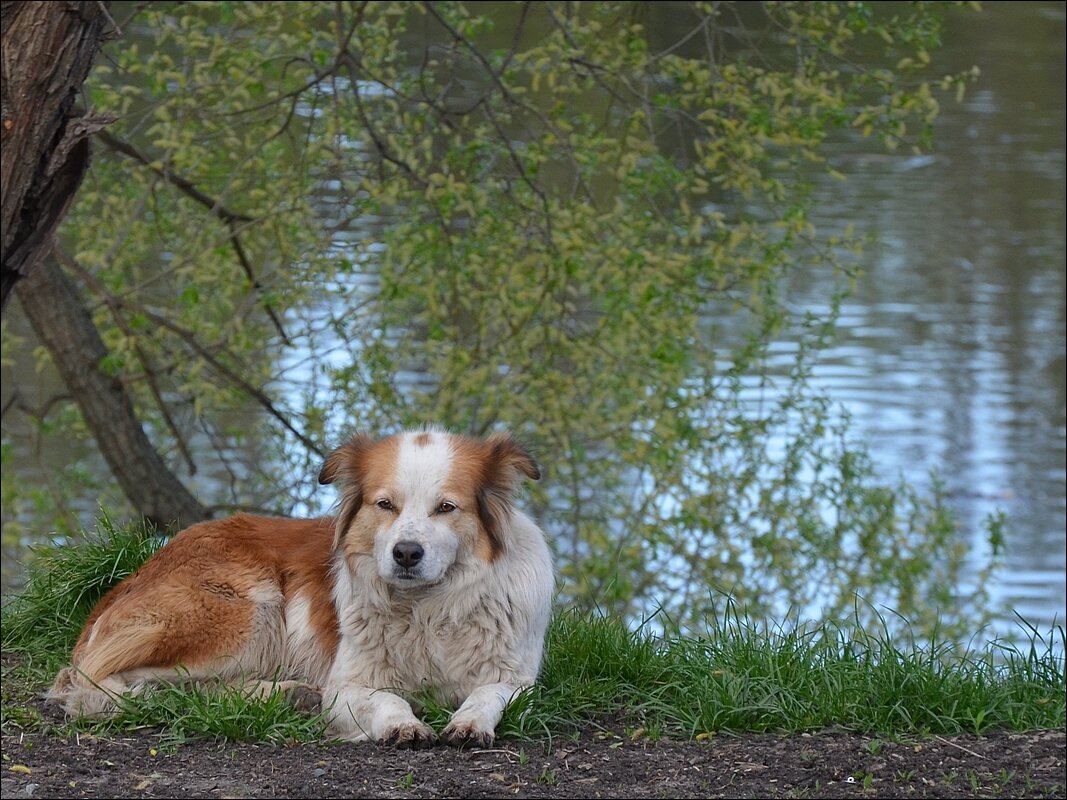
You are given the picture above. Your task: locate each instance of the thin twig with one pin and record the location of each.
(961, 747)
(129, 150)
(111, 19)
(67, 260)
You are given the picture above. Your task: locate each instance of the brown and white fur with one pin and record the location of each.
(427, 577)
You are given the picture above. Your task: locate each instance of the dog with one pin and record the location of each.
(427, 577)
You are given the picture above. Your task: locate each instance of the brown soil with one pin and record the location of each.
(601, 764)
(604, 761)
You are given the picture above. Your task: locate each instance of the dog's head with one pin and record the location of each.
(422, 501)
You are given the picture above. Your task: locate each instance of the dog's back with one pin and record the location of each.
(227, 599)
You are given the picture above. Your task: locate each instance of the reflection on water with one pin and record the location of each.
(950, 353)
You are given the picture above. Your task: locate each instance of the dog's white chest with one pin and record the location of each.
(411, 649)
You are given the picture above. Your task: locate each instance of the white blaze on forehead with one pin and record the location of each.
(422, 466)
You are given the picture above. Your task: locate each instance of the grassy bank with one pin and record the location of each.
(737, 676)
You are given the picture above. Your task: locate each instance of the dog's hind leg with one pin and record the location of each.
(169, 631)
(82, 697)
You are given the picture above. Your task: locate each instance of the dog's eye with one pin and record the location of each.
(445, 508)
(385, 505)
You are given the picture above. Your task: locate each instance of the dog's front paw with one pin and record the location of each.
(410, 736)
(467, 734)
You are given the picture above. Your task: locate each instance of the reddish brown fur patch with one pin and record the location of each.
(307, 573)
(423, 439)
(192, 602)
(489, 472)
(464, 482)
(361, 467)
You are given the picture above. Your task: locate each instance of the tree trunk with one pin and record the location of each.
(48, 49)
(51, 303)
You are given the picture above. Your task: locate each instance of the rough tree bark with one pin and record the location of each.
(48, 49)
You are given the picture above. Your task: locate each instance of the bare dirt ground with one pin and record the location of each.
(595, 764)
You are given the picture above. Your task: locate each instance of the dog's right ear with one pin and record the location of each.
(344, 464)
(345, 467)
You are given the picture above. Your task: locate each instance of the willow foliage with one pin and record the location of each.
(575, 220)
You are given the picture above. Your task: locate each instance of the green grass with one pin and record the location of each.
(740, 677)
(736, 677)
(63, 583)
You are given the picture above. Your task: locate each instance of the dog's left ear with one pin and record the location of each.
(345, 467)
(507, 454)
(506, 463)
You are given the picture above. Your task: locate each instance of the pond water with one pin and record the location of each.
(950, 354)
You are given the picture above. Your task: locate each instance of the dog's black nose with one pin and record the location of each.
(407, 554)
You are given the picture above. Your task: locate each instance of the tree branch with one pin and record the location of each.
(197, 347)
(211, 204)
(64, 258)
(231, 218)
